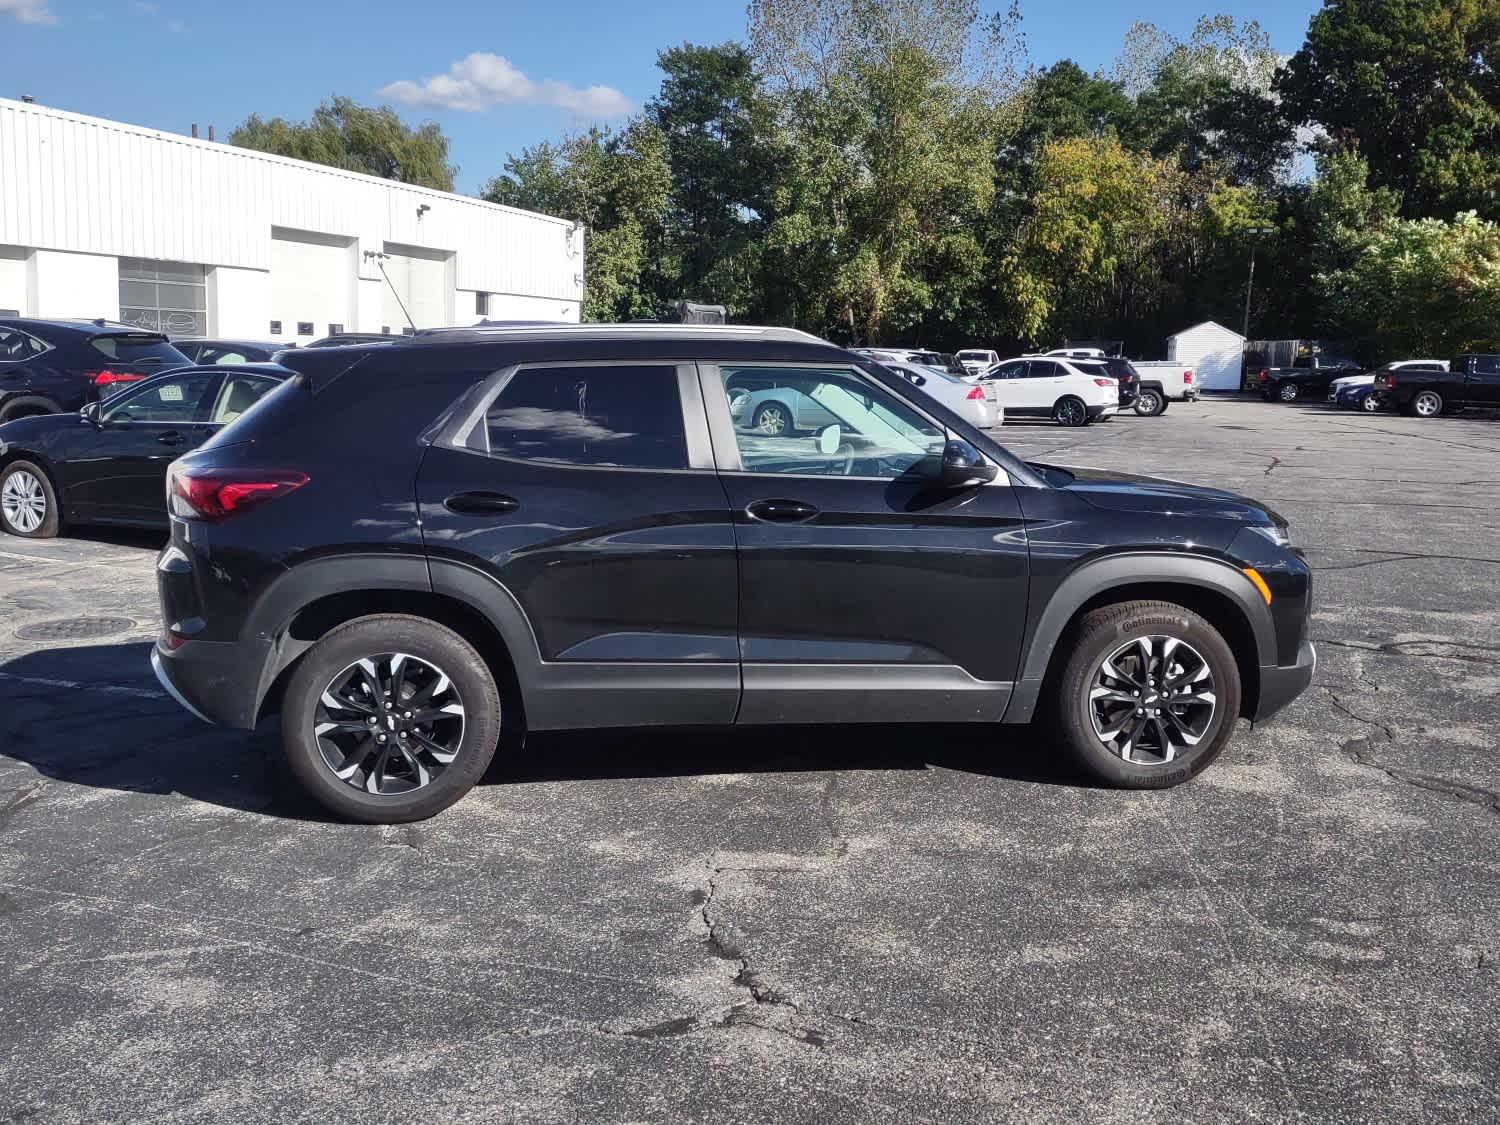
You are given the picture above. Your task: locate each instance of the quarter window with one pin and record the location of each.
(17, 345)
(626, 416)
(239, 394)
(171, 400)
(164, 296)
(826, 423)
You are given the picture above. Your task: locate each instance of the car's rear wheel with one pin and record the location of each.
(1288, 392)
(1150, 403)
(772, 418)
(1070, 411)
(1148, 695)
(1426, 404)
(390, 718)
(28, 503)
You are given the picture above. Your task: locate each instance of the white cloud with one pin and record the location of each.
(27, 11)
(177, 27)
(483, 80)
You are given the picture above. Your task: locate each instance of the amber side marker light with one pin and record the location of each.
(1260, 583)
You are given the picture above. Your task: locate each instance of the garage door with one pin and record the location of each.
(312, 283)
(422, 280)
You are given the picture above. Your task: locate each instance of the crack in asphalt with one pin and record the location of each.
(1361, 751)
(1429, 649)
(1271, 468)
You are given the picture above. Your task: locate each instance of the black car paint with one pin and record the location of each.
(1471, 380)
(625, 597)
(108, 473)
(57, 381)
(1310, 376)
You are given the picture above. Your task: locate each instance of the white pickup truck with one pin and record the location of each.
(1162, 381)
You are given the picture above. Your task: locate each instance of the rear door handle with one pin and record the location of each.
(171, 437)
(781, 511)
(481, 504)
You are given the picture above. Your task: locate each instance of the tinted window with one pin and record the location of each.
(826, 423)
(138, 351)
(625, 416)
(1487, 364)
(170, 400)
(1015, 369)
(1042, 369)
(17, 345)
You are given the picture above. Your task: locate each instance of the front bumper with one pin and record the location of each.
(1280, 685)
(218, 681)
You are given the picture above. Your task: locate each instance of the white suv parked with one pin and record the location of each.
(1047, 387)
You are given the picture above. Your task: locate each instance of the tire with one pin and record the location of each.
(429, 655)
(1129, 761)
(1150, 403)
(1070, 411)
(1370, 404)
(1425, 404)
(1288, 392)
(772, 411)
(24, 486)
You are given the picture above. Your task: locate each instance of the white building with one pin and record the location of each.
(1215, 353)
(102, 219)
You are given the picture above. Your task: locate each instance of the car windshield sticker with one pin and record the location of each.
(171, 393)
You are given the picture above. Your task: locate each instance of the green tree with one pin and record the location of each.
(1413, 84)
(617, 185)
(344, 134)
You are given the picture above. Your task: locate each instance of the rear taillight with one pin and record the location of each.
(1389, 379)
(213, 495)
(112, 378)
(1104, 382)
(1265, 376)
(1187, 376)
(976, 395)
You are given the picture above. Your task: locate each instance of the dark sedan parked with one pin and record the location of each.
(49, 366)
(108, 462)
(204, 351)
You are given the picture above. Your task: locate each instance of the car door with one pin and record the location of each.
(1005, 386)
(586, 494)
(115, 470)
(21, 359)
(1482, 383)
(1046, 382)
(867, 592)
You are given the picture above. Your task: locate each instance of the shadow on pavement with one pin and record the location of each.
(94, 715)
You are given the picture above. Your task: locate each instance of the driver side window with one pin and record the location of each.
(809, 422)
(166, 400)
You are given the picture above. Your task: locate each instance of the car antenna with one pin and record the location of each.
(379, 259)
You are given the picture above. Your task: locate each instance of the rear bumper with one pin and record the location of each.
(217, 681)
(1280, 685)
(1104, 411)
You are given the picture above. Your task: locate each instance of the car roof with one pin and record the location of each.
(79, 327)
(274, 370)
(268, 345)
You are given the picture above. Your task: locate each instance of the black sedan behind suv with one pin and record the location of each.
(52, 366)
(412, 550)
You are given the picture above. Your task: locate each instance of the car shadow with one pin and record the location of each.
(94, 715)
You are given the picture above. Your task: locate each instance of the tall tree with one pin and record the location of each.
(344, 134)
(1413, 83)
(617, 184)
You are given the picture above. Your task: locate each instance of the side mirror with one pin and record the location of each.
(964, 466)
(90, 414)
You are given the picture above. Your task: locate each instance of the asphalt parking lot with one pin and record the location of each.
(831, 924)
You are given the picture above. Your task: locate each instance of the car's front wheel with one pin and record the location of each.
(1148, 695)
(390, 718)
(28, 503)
(773, 419)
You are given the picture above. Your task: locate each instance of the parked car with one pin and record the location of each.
(1118, 369)
(1077, 353)
(957, 394)
(108, 462)
(1471, 380)
(202, 350)
(52, 366)
(417, 556)
(1367, 378)
(1308, 377)
(1360, 396)
(942, 361)
(977, 361)
(345, 339)
(1163, 381)
(1041, 387)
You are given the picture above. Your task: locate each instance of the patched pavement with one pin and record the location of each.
(807, 925)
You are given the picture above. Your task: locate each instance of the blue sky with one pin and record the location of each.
(496, 75)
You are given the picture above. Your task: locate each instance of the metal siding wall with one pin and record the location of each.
(101, 187)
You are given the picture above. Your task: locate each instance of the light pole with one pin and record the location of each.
(1253, 232)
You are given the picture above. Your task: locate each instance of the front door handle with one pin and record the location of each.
(481, 504)
(171, 437)
(781, 511)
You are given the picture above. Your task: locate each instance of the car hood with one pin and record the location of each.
(1125, 492)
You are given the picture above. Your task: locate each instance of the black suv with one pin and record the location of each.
(56, 366)
(415, 549)
(1121, 371)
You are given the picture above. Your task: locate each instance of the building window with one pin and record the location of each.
(335, 329)
(385, 329)
(275, 328)
(304, 328)
(481, 304)
(167, 297)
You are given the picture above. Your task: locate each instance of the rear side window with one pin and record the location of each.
(628, 417)
(17, 345)
(138, 351)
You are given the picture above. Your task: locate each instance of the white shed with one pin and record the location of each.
(1215, 353)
